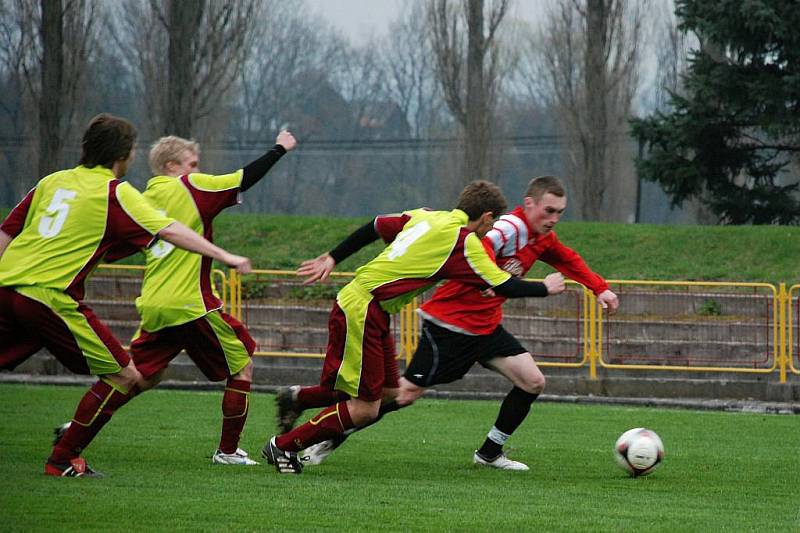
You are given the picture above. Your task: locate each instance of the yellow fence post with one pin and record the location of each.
(235, 294)
(783, 303)
(592, 334)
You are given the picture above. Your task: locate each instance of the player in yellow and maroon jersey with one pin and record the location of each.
(360, 368)
(462, 325)
(49, 243)
(179, 307)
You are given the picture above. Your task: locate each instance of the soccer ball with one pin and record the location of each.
(639, 451)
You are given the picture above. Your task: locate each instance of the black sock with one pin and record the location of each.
(513, 410)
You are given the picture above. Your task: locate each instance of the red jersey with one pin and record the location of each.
(462, 308)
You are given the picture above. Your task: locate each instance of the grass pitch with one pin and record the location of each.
(412, 472)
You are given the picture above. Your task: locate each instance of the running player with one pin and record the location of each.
(178, 305)
(360, 367)
(462, 326)
(49, 244)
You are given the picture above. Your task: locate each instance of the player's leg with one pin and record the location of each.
(17, 343)
(74, 335)
(354, 364)
(290, 402)
(317, 453)
(222, 348)
(441, 357)
(528, 381)
(151, 353)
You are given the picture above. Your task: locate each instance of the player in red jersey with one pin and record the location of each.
(49, 244)
(360, 369)
(180, 309)
(462, 325)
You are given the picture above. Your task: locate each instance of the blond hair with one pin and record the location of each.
(168, 149)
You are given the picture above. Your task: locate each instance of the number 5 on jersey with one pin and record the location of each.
(57, 211)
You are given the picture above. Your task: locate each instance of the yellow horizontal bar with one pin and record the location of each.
(121, 267)
(290, 354)
(690, 368)
(293, 273)
(561, 365)
(695, 283)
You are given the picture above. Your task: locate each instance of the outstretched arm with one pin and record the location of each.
(182, 237)
(253, 172)
(319, 269)
(517, 288)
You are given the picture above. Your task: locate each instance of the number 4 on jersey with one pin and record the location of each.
(406, 238)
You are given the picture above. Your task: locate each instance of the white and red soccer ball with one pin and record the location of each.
(639, 451)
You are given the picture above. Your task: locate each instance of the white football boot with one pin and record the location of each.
(239, 457)
(314, 455)
(501, 461)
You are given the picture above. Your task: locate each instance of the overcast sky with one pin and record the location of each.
(360, 19)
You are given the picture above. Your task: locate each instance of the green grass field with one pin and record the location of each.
(412, 472)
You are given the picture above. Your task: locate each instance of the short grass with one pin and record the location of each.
(412, 472)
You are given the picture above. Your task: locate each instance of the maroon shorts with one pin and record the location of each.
(217, 343)
(378, 358)
(72, 333)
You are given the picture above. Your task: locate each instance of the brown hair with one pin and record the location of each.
(168, 149)
(479, 197)
(542, 185)
(106, 140)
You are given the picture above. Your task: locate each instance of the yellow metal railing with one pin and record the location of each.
(791, 352)
(236, 288)
(780, 317)
(777, 326)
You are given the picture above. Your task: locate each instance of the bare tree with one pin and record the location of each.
(52, 80)
(206, 43)
(284, 83)
(289, 52)
(45, 48)
(469, 71)
(409, 65)
(182, 20)
(588, 55)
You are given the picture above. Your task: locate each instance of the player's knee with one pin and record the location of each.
(245, 374)
(362, 413)
(127, 378)
(534, 383)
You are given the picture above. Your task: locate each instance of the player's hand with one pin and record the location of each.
(316, 269)
(488, 293)
(554, 283)
(287, 140)
(608, 300)
(241, 264)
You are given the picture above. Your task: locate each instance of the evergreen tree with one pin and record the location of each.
(730, 136)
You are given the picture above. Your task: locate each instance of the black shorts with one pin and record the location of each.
(444, 356)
